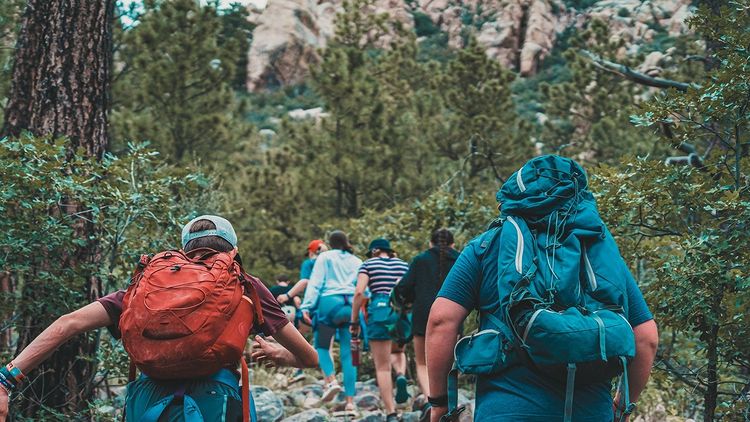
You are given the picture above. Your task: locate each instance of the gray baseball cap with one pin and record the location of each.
(223, 229)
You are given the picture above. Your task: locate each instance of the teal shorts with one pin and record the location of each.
(380, 317)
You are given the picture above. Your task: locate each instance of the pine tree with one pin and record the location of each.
(176, 90)
(485, 134)
(588, 115)
(60, 88)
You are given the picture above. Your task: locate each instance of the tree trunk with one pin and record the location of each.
(60, 88)
(61, 72)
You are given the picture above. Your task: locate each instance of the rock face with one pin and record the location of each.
(285, 42)
(289, 34)
(517, 33)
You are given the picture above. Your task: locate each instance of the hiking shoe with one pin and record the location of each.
(401, 394)
(350, 411)
(332, 390)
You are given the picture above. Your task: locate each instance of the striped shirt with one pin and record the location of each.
(384, 273)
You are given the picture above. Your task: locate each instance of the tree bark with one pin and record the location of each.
(61, 72)
(60, 88)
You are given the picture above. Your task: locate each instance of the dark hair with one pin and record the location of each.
(211, 242)
(282, 278)
(390, 253)
(442, 239)
(338, 240)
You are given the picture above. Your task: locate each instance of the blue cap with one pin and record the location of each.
(223, 229)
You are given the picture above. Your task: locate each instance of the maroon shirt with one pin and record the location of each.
(274, 318)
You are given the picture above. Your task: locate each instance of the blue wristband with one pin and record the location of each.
(6, 380)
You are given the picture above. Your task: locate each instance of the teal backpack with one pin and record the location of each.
(561, 283)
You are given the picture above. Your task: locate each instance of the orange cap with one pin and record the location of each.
(315, 245)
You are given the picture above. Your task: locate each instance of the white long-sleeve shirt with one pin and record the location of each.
(334, 273)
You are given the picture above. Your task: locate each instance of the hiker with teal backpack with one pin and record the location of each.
(379, 274)
(329, 296)
(186, 334)
(560, 315)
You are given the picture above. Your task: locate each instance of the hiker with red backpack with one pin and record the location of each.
(184, 321)
(560, 315)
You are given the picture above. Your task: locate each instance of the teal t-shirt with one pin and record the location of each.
(520, 394)
(306, 269)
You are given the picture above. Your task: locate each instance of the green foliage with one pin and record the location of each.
(175, 87)
(409, 225)
(10, 19)
(55, 206)
(687, 226)
(484, 131)
(587, 116)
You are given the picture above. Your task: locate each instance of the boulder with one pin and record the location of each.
(268, 405)
(372, 417)
(289, 34)
(410, 416)
(367, 401)
(312, 415)
(285, 43)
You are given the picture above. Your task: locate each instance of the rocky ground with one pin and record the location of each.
(279, 400)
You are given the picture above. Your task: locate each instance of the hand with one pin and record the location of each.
(437, 412)
(3, 404)
(306, 317)
(282, 298)
(354, 329)
(297, 301)
(268, 353)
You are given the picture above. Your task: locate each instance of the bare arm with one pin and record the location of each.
(359, 298)
(292, 349)
(88, 318)
(646, 342)
(443, 328)
(294, 291)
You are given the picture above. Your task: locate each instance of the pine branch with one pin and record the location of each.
(637, 77)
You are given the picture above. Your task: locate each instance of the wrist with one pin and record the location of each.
(438, 401)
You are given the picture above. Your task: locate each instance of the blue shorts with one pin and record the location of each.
(380, 317)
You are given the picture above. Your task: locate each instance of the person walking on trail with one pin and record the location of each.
(329, 295)
(380, 273)
(314, 248)
(419, 288)
(207, 353)
(560, 313)
(281, 287)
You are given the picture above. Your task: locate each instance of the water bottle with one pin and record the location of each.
(354, 345)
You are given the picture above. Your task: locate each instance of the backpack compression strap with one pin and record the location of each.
(453, 409)
(624, 407)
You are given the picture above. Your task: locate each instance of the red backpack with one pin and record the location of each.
(188, 317)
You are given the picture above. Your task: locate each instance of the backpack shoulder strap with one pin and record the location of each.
(252, 293)
(488, 237)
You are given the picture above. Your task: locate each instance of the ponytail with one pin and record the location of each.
(442, 239)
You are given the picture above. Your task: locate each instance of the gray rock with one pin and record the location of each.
(367, 401)
(312, 415)
(372, 417)
(367, 387)
(410, 416)
(268, 405)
